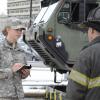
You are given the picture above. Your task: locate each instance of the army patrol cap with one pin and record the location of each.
(93, 20)
(15, 23)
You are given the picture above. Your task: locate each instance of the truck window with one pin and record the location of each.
(69, 11)
(64, 14)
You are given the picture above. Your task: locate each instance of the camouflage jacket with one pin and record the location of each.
(10, 83)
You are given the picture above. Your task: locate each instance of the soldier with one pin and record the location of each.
(84, 79)
(12, 59)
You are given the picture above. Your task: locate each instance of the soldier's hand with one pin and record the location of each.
(16, 67)
(25, 72)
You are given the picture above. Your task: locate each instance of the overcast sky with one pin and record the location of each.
(3, 6)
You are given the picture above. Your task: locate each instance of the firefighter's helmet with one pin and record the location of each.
(93, 19)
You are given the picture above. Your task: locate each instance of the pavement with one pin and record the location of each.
(34, 99)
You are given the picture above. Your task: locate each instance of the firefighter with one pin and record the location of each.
(84, 79)
(12, 59)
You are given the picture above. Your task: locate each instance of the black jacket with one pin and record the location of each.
(84, 79)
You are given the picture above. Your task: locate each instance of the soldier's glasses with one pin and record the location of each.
(19, 30)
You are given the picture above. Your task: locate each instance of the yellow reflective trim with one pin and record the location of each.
(84, 80)
(79, 78)
(95, 82)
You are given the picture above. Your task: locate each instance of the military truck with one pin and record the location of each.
(55, 34)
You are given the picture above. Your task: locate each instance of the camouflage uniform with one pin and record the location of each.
(10, 83)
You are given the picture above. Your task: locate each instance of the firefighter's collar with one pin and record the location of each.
(94, 41)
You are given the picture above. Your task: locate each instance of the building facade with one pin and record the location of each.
(3, 19)
(21, 9)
